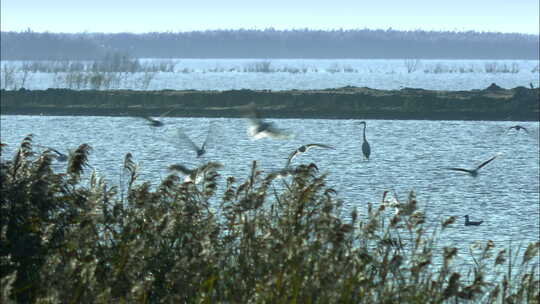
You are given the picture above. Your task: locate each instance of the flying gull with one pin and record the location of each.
(199, 150)
(258, 128)
(304, 149)
(155, 122)
(474, 172)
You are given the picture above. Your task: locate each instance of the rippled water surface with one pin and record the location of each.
(406, 155)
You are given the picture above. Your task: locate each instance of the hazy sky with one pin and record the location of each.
(168, 15)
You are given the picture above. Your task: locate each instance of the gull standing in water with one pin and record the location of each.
(366, 149)
(260, 129)
(304, 149)
(474, 172)
(199, 150)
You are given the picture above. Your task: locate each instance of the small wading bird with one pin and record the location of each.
(260, 129)
(366, 149)
(304, 149)
(199, 150)
(474, 172)
(518, 127)
(155, 122)
(470, 223)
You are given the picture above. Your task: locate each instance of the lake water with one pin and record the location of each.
(406, 155)
(285, 74)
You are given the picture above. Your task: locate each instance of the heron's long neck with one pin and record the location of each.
(364, 131)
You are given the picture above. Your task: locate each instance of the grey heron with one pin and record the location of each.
(366, 149)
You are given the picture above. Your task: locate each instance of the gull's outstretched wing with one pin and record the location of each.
(305, 148)
(310, 146)
(292, 156)
(59, 155)
(209, 136)
(180, 168)
(153, 122)
(165, 114)
(487, 162)
(183, 137)
(460, 169)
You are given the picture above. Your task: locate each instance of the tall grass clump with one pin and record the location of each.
(259, 67)
(494, 67)
(411, 64)
(8, 79)
(440, 68)
(68, 236)
(115, 62)
(102, 74)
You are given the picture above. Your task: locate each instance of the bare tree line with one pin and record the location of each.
(270, 43)
(117, 71)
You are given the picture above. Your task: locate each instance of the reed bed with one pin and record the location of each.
(71, 237)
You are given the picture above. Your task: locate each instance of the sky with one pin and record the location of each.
(113, 16)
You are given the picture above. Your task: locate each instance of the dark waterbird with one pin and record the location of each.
(474, 172)
(259, 128)
(304, 149)
(471, 223)
(366, 149)
(518, 127)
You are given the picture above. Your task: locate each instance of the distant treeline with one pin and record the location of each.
(270, 43)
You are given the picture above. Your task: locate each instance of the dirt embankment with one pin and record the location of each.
(492, 103)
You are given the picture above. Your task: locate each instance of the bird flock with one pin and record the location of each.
(258, 128)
